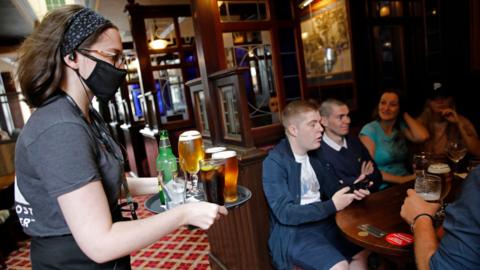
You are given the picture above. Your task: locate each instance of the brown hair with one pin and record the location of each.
(401, 110)
(295, 108)
(40, 61)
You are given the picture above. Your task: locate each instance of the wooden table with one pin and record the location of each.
(382, 210)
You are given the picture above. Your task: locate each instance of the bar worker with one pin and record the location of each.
(69, 169)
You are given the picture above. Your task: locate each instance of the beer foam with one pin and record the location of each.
(438, 168)
(189, 135)
(224, 154)
(212, 150)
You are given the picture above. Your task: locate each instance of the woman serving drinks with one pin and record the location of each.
(69, 169)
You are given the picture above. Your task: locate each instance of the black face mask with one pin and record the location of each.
(104, 79)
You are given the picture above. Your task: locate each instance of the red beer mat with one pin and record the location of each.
(399, 239)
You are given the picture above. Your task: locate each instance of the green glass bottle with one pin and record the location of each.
(165, 163)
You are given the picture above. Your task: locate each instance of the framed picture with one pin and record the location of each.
(326, 42)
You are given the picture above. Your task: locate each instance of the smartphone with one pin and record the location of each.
(364, 184)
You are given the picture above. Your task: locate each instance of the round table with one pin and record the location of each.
(382, 210)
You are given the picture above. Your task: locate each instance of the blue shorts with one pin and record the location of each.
(320, 245)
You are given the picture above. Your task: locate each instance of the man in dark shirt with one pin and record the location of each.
(344, 155)
(460, 246)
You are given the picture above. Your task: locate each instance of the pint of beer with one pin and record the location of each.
(210, 151)
(231, 173)
(190, 150)
(443, 171)
(212, 174)
(429, 187)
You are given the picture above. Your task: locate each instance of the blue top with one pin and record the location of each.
(281, 184)
(346, 164)
(390, 150)
(460, 247)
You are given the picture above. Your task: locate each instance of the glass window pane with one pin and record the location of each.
(231, 11)
(202, 111)
(171, 94)
(135, 99)
(231, 120)
(253, 50)
(388, 8)
(53, 4)
(187, 32)
(162, 59)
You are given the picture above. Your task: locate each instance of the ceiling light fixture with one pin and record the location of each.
(158, 44)
(156, 40)
(305, 3)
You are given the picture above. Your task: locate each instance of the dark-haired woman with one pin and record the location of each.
(385, 138)
(68, 168)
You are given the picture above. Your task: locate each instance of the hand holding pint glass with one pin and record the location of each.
(231, 174)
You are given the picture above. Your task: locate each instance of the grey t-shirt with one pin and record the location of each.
(57, 152)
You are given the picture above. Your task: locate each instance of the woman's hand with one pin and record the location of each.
(203, 214)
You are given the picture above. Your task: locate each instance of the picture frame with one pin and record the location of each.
(325, 33)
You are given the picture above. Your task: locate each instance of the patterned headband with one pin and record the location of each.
(82, 24)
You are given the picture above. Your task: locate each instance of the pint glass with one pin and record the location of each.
(210, 151)
(190, 151)
(173, 185)
(428, 187)
(212, 174)
(443, 171)
(231, 173)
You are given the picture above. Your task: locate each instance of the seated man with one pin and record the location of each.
(460, 246)
(344, 155)
(303, 199)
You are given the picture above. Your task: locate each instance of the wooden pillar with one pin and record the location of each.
(211, 56)
(240, 240)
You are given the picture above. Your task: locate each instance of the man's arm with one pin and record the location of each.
(426, 242)
(415, 131)
(417, 212)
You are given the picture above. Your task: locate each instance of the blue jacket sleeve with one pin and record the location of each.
(282, 190)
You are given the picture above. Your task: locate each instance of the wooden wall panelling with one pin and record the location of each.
(240, 240)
